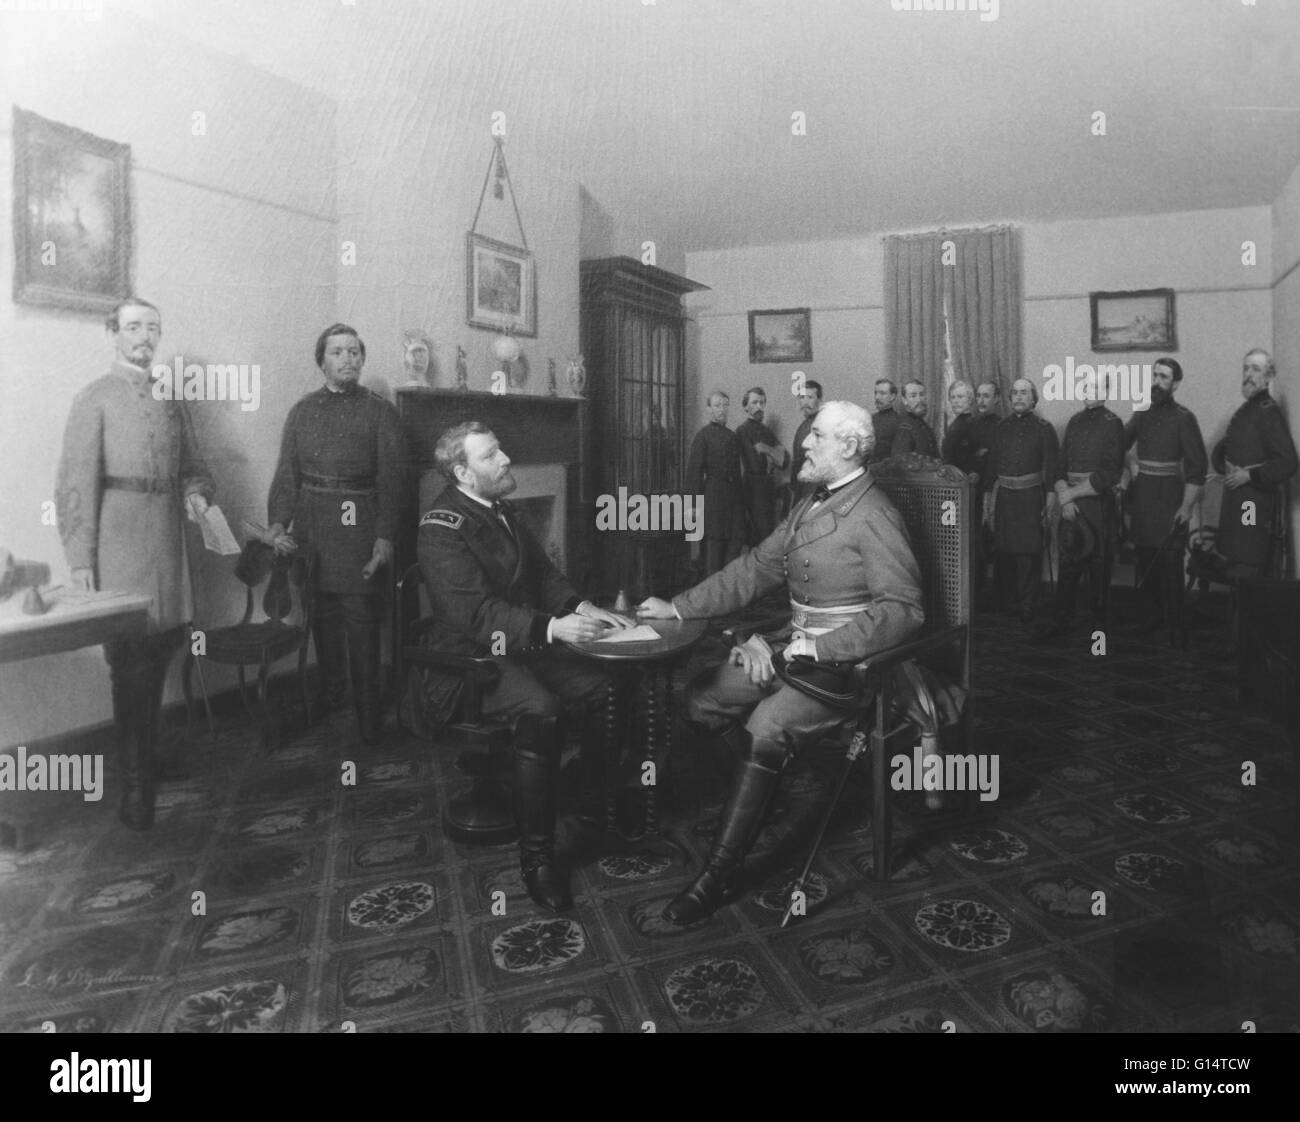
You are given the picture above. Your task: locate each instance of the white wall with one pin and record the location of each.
(234, 240)
(1223, 308)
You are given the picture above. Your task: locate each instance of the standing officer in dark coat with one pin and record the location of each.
(335, 494)
(885, 419)
(1024, 465)
(913, 434)
(855, 588)
(1165, 490)
(713, 470)
(1091, 463)
(130, 468)
(960, 445)
(1257, 456)
(495, 593)
(987, 419)
(810, 401)
(761, 454)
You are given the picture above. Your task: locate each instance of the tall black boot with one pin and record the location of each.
(131, 702)
(1174, 596)
(594, 766)
(329, 635)
(752, 790)
(364, 668)
(537, 752)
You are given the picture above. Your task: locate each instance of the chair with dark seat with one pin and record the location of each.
(259, 643)
(484, 815)
(916, 686)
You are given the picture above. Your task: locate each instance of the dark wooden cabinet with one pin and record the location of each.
(633, 332)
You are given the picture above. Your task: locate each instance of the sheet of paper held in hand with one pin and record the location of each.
(216, 532)
(641, 633)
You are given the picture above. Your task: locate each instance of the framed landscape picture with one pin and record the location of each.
(72, 216)
(1134, 321)
(780, 335)
(501, 286)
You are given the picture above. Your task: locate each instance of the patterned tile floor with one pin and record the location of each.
(1125, 880)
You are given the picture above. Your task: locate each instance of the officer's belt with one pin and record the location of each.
(139, 484)
(1161, 467)
(818, 621)
(1076, 477)
(338, 482)
(1020, 482)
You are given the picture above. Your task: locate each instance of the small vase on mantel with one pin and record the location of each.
(576, 374)
(462, 370)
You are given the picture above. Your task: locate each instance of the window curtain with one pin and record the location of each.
(985, 306)
(959, 320)
(914, 315)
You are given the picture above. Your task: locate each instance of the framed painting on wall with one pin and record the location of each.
(501, 283)
(780, 335)
(72, 216)
(1134, 321)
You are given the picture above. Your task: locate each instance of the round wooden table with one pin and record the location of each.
(658, 662)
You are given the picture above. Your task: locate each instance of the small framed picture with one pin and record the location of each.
(1134, 321)
(72, 216)
(780, 335)
(501, 286)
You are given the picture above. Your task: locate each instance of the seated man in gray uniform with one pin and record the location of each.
(855, 589)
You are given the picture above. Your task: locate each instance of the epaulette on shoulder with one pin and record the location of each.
(448, 518)
(1268, 402)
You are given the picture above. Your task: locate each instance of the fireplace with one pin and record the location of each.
(546, 439)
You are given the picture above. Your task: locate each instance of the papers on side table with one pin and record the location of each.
(641, 633)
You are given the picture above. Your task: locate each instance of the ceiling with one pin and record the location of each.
(678, 112)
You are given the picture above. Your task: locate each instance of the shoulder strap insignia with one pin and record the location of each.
(448, 518)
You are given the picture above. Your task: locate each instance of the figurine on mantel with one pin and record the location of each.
(552, 387)
(462, 370)
(416, 349)
(576, 374)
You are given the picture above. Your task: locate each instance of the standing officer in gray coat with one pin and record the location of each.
(130, 466)
(855, 588)
(335, 493)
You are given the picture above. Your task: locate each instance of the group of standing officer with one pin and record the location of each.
(130, 468)
(1151, 469)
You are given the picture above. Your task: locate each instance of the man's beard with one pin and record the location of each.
(496, 487)
(1159, 395)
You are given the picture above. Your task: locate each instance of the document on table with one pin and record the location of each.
(216, 532)
(641, 633)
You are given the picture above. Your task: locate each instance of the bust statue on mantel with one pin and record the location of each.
(416, 353)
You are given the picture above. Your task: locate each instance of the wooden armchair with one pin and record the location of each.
(936, 503)
(483, 816)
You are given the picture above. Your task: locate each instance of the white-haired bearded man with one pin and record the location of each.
(844, 556)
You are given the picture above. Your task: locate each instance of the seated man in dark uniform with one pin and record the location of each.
(844, 557)
(495, 593)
